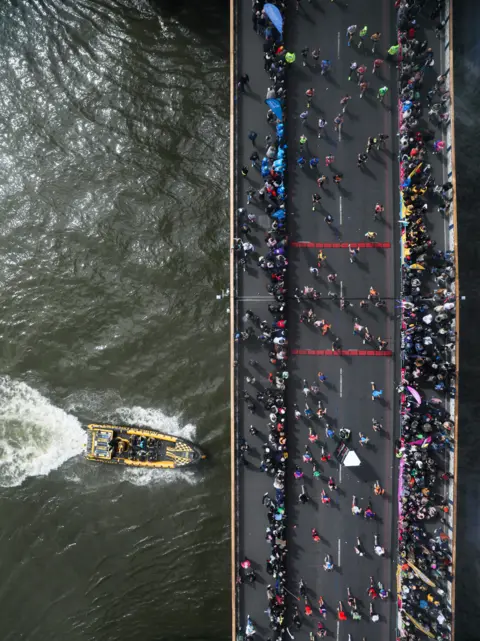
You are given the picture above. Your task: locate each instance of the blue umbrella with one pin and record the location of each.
(276, 106)
(275, 16)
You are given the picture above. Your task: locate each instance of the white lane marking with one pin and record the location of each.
(340, 206)
(340, 473)
(340, 133)
(341, 382)
(341, 292)
(339, 553)
(338, 630)
(338, 45)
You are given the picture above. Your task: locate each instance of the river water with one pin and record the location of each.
(113, 201)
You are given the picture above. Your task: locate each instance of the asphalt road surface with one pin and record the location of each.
(347, 392)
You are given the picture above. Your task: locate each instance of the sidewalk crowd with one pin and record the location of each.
(274, 262)
(428, 342)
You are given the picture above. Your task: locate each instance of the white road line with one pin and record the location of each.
(338, 630)
(338, 45)
(340, 206)
(341, 382)
(339, 553)
(341, 292)
(340, 133)
(340, 473)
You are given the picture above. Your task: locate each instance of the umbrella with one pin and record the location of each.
(275, 16)
(423, 441)
(417, 266)
(415, 394)
(276, 107)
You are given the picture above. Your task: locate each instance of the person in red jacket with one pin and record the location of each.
(342, 615)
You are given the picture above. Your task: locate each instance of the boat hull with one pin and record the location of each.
(136, 446)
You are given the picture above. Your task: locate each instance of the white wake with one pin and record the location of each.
(35, 436)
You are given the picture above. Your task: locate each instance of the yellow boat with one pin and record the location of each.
(139, 447)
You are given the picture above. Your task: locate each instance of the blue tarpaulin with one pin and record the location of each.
(275, 16)
(276, 106)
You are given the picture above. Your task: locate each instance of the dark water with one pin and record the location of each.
(114, 227)
(467, 108)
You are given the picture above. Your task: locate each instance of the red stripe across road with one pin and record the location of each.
(341, 352)
(303, 244)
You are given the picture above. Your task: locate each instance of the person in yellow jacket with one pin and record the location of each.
(289, 57)
(393, 50)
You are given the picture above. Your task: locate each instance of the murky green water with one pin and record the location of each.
(113, 204)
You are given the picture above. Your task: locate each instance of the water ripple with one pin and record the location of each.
(113, 153)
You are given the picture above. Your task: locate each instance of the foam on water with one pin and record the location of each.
(35, 436)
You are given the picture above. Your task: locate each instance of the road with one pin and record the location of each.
(347, 391)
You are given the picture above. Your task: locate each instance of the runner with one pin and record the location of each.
(378, 211)
(351, 30)
(344, 102)
(377, 63)
(375, 38)
(321, 126)
(337, 179)
(316, 198)
(325, 66)
(382, 92)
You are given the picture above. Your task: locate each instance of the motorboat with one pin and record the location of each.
(138, 446)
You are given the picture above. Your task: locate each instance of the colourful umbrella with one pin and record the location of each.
(415, 394)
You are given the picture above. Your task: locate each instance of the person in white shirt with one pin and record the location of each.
(378, 548)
